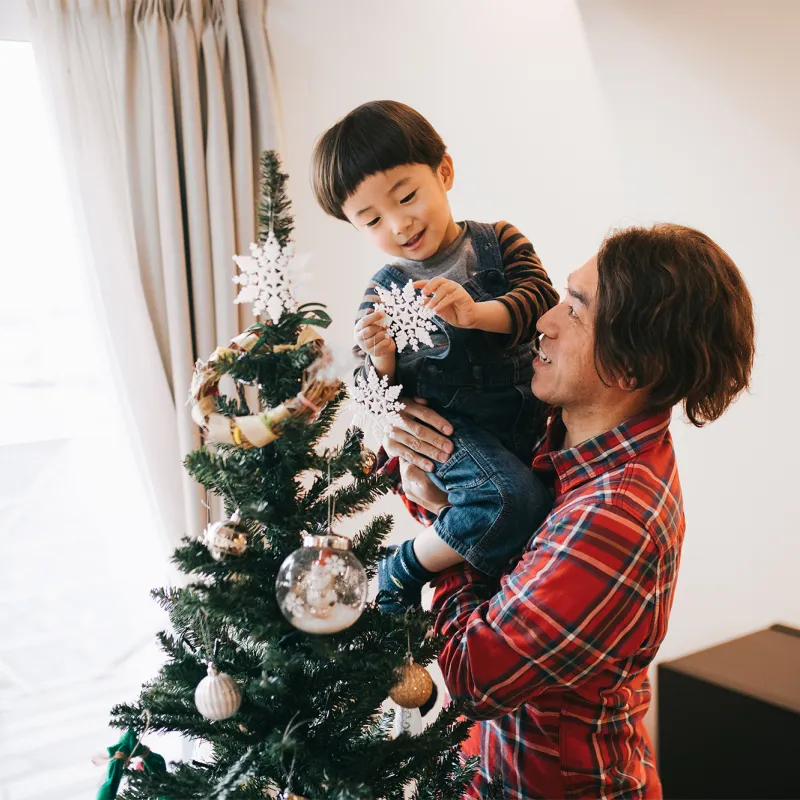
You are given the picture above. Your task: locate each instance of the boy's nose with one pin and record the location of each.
(400, 225)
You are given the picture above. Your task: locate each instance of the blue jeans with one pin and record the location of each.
(492, 495)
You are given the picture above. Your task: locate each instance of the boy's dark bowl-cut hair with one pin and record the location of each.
(375, 137)
(674, 316)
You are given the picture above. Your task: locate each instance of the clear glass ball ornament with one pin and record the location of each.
(322, 586)
(225, 538)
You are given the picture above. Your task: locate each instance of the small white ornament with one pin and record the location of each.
(266, 278)
(378, 401)
(409, 321)
(217, 696)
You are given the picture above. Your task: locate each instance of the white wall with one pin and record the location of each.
(511, 92)
(571, 118)
(704, 98)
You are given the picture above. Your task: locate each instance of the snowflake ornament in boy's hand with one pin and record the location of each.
(378, 400)
(409, 321)
(266, 278)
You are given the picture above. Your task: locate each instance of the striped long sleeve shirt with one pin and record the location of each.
(530, 292)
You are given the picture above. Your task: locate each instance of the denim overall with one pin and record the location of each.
(484, 391)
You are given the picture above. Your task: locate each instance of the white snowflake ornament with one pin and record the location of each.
(378, 400)
(409, 321)
(266, 278)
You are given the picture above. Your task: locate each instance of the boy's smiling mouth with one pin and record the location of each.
(414, 241)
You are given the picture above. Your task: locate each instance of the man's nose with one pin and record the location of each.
(546, 324)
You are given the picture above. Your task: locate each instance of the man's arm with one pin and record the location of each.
(582, 600)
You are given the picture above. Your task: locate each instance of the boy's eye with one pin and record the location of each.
(373, 222)
(409, 197)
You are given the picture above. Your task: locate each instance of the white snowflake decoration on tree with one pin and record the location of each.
(409, 321)
(378, 401)
(266, 278)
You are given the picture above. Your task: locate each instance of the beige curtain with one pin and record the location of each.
(163, 107)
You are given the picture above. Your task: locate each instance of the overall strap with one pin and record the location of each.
(487, 248)
(388, 275)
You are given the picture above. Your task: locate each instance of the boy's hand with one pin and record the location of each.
(450, 301)
(371, 337)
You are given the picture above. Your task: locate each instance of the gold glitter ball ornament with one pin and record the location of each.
(414, 685)
(225, 538)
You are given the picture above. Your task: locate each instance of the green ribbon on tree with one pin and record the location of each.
(120, 754)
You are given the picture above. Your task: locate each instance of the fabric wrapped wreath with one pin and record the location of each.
(319, 387)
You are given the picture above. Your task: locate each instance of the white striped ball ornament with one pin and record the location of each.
(217, 696)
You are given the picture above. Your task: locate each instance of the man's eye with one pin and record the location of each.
(373, 222)
(571, 312)
(409, 197)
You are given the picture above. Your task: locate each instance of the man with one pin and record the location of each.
(553, 657)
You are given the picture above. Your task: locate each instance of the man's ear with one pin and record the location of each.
(446, 171)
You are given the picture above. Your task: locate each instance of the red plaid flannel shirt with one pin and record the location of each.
(553, 659)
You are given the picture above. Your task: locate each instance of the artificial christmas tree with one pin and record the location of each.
(286, 711)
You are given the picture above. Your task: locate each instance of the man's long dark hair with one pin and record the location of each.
(674, 315)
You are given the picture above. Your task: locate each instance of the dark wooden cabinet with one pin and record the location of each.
(729, 719)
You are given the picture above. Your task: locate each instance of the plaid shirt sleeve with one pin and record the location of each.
(579, 602)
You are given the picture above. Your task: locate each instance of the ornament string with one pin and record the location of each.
(127, 757)
(207, 505)
(289, 731)
(331, 499)
(210, 653)
(147, 721)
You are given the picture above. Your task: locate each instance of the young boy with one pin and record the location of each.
(384, 169)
